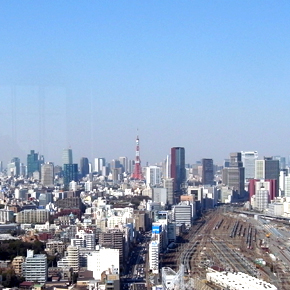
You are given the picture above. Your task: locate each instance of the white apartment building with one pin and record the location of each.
(84, 240)
(153, 175)
(154, 257)
(34, 269)
(261, 199)
(71, 260)
(103, 259)
(6, 216)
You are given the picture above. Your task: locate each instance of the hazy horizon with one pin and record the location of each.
(212, 77)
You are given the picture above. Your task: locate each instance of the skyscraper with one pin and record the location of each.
(99, 164)
(207, 172)
(70, 173)
(282, 161)
(249, 158)
(178, 166)
(168, 183)
(234, 175)
(67, 157)
(268, 168)
(124, 163)
(47, 174)
(13, 168)
(33, 162)
(115, 164)
(84, 166)
(166, 167)
(272, 168)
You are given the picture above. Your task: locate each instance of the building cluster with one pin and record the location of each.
(90, 215)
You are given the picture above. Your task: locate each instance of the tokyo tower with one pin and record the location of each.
(137, 174)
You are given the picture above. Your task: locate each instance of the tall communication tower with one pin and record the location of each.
(137, 174)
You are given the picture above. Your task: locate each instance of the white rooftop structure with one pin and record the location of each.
(238, 281)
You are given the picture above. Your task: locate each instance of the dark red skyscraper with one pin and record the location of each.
(137, 174)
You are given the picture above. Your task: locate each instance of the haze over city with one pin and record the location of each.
(211, 77)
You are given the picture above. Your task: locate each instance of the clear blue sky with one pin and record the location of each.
(211, 76)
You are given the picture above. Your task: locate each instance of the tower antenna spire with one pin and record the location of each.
(137, 174)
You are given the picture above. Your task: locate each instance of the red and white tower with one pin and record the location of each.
(137, 174)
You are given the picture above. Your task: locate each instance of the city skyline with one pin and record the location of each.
(210, 77)
(78, 159)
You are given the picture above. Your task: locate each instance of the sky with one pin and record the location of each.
(209, 76)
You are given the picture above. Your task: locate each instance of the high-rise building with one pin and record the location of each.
(159, 194)
(168, 183)
(34, 269)
(47, 174)
(178, 167)
(268, 184)
(282, 161)
(154, 256)
(124, 163)
(262, 199)
(113, 239)
(287, 186)
(23, 169)
(268, 168)
(166, 167)
(99, 164)
(115, 164)
(260, 169)
(272, 168)
(13, 168)
(116, 175)
(71, 260)
(153, 175)
(70, 173)
(249, 158)
(67, 157)
(33, 162)
(131, 164)
(234, 175)
(207, 172)
(84, 166)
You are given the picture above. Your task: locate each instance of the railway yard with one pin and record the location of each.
(231, 241)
